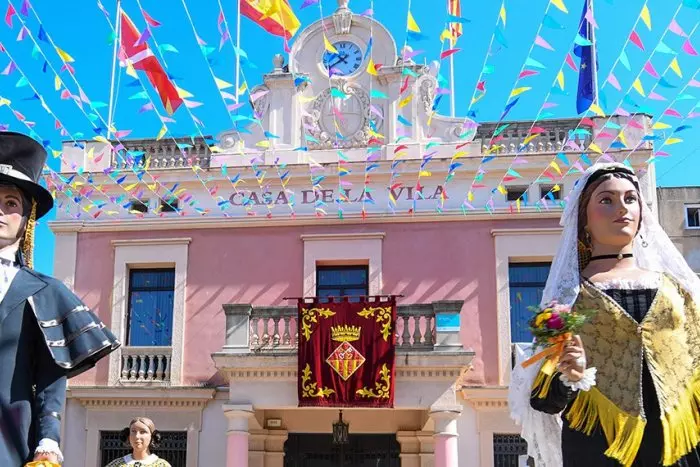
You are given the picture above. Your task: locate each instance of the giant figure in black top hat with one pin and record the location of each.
(47, 334)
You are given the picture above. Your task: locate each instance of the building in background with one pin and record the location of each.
(679, 214)
(188, 252)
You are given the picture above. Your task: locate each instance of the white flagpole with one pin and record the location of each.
(452, 84)
(110, 112)
(238, 44)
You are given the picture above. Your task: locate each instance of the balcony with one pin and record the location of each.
(273, 330)
(144, 365)
(556, 136)
(173, 153)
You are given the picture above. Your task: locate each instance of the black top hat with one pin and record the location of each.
(21, 162)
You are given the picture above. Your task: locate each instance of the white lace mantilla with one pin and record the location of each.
(647, 282)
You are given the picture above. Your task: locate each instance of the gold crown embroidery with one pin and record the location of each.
(345, 333)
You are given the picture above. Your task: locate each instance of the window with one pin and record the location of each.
(169, 205)
(515, 193)
(692, 216)
(340, 281)
(139, 205)
(509, 451)
(151, 299)
(546, 191)
(173, 447)
(527, 281)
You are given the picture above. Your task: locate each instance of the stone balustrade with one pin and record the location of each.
(275, 329)
(145, 364)
(162, 154)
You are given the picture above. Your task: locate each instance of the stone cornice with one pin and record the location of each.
(486, 398)
(344, 236)
(100, 397)
(536, 231)
(124, 225)
(152, 241)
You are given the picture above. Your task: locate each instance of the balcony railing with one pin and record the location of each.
(275, 329)
(555, 136)
(145, 364)
(163, 154)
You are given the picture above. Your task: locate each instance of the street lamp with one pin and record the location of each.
(341, 431)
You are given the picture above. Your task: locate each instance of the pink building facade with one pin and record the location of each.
(199, 301)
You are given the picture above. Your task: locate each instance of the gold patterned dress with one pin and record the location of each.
(128, 461)
(643, 412)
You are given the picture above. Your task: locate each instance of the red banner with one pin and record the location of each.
(346, 354)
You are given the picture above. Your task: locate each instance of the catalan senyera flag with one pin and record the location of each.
(274, 16)
(454, 8)
(141, 58)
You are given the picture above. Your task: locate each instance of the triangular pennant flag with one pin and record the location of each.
(689, 49)
(221, 84)
(560, 79)
(543, 43)
(518, 91)
(502, 13)
(411, 23)
(560, 4)
(64, 56)
(329, 47)
(646, 16)
(662, 48)
(649, 68)
(371, 69)
(614, 82)
(676, 67)
(625, 60)
(637, 85)
(675, 28)
(636, 40)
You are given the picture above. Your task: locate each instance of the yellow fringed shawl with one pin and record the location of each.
(615, 344)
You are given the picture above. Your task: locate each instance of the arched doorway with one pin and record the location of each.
(318, 450)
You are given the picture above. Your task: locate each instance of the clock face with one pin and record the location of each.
(347, 61)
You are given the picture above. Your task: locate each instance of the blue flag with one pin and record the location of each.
(586, 88)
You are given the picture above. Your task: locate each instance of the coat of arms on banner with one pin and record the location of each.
(346, 353)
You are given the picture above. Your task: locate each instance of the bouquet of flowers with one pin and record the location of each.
(552, 326)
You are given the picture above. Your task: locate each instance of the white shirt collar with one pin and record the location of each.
(147, 461)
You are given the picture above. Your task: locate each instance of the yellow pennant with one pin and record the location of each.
(595, 108)
(446, 34)
(594, 147)
(131, 187)
(470, 196)
(502, 190)
(4, 101)
(161, 133)
(560, 79)
(660, 126)
(518, 91)
(676, 67)
(555, 166)
(329, 47)
(130, 71)
(621, 137)
(502, 13)
(183, 94)
(221, 84)
(152, 187)
(101, 139)
(91, 153)
(263, 144)
(370, 67)
(637, 85)
(458, 155)
(560, 4)
(517, 204)
(555, 188)
(64, 55)
(56, 153)
(646, 16)
(242, 89)
(56, 83)
(424, 173)
(671, 141)
(405, 102)
(411, 23)
(530, 138)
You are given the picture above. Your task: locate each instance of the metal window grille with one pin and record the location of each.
(508, 450)
(318, 450)
(340, 281)
(173, 447)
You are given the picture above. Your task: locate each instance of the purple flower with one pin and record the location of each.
(555, 322)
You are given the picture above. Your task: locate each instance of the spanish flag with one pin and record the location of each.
(455, 9)
(274, 16)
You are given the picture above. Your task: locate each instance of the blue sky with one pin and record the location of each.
(82, 31)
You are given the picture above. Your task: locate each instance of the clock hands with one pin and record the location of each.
(341, 58)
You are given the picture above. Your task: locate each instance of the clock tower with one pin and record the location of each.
(344, 85)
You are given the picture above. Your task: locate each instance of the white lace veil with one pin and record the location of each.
(653, 251)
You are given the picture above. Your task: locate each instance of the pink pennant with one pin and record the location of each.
(65, 94)
(9, 14)
(672, 113)
(693, 115)
(19, 116)
(2, 48)
(481, 86)
(605, 135)
(694, 83)
(689, 49)
(168, 120)
(527, 73)
(83, 97)
(590, 18)
(448, 52)
(589, 122)
(622, 112)
(99, 157)
(257, 95)
(149, 19)
(9, 68)
(376, 111)
(146, 107)
(536, 129)
(549, 105)
(635, 124)
(661, 154)
(539, 40)
(69, 68)
(233, 107)
(649, 68)
(122, 134)
(287, 49)
(192, 104)
(200, 41)
(676, 28)
(636, 40)
(614, 82)
(570, 62)
(655, 96)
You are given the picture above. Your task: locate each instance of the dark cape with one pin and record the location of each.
(581, 450)
(47, 335)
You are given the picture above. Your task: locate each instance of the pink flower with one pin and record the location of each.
(561, 309)
(555, 322)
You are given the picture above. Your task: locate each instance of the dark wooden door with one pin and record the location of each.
(318, 450)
